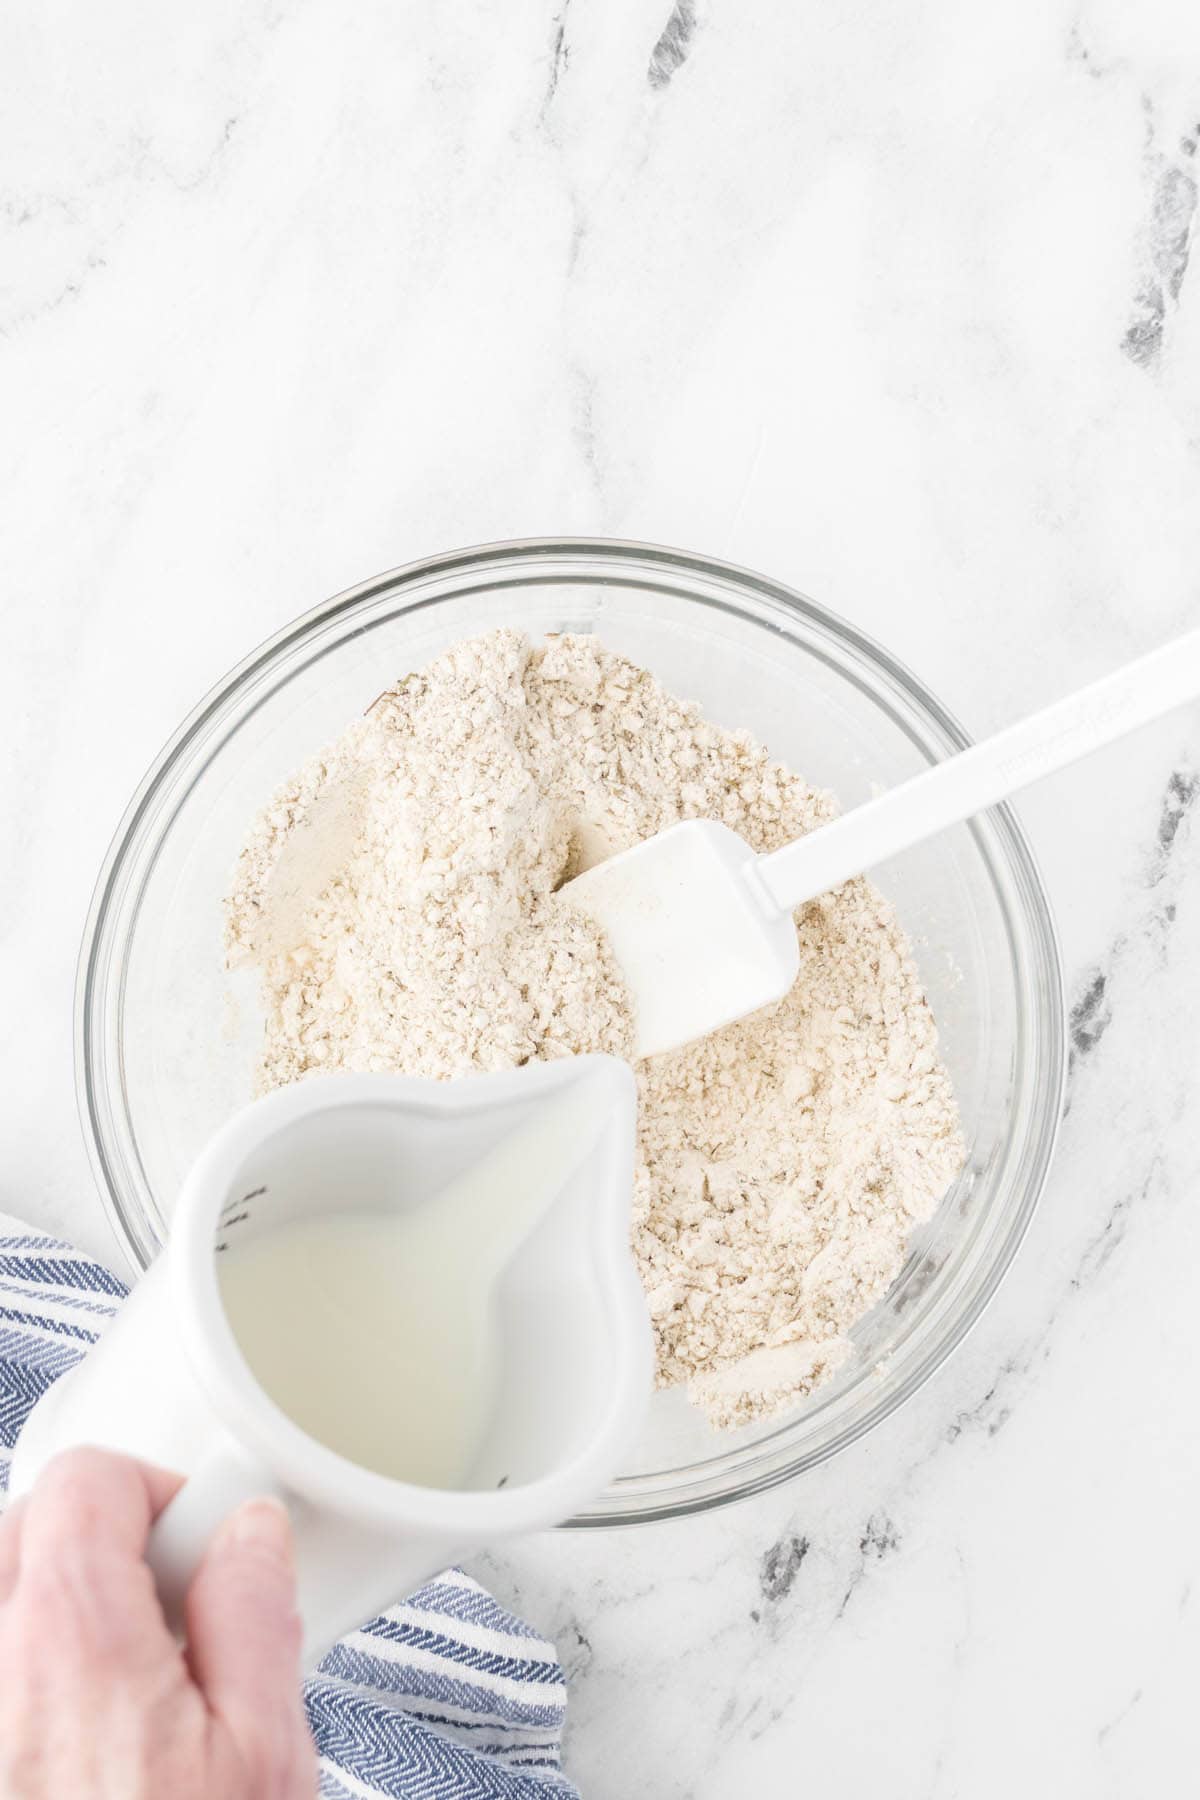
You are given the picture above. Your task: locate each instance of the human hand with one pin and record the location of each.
(97, 1700)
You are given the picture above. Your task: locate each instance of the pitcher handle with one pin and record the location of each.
(181, 1533)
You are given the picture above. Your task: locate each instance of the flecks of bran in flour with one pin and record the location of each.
(400, 900)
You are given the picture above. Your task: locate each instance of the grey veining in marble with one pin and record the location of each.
(900, 304)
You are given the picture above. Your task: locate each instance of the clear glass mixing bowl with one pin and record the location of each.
(167, 1040)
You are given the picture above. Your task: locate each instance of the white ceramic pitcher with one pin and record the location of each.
(168, 1383)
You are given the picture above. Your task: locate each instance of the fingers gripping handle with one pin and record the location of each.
(183, 1530)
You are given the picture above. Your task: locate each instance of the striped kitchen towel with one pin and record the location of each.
(446, 1696)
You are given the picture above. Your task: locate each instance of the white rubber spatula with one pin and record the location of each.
(702, 927)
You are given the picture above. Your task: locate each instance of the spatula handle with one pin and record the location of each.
(989, 772)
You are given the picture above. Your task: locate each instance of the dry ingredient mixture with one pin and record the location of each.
(400, 900)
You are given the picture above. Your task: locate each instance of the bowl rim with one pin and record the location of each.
(132, 839)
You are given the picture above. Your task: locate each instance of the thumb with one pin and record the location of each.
(244, 1633)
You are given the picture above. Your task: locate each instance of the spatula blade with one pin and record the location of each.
(697, 941)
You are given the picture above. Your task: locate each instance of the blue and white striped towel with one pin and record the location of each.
(445, 1697)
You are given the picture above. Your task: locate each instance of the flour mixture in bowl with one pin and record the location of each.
(400, 899)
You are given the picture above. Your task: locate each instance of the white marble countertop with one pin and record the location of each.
(891, 302)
